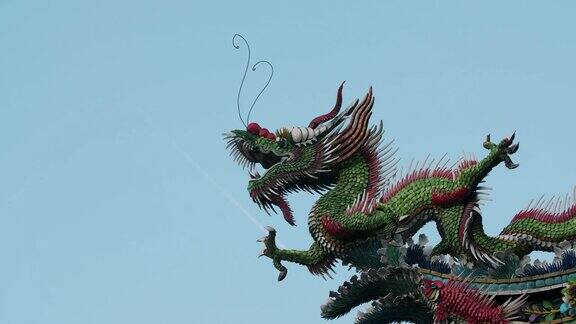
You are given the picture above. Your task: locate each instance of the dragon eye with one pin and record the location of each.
(282, 142)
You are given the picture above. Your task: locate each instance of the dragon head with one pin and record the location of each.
(301, 158)
(432, 289)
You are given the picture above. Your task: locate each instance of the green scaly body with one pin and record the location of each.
(339, 156)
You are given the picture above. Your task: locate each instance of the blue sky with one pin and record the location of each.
(118, 201)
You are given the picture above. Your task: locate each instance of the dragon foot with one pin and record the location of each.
(271, 251)
(504, 149)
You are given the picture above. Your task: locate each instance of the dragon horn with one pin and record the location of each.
(323, 118)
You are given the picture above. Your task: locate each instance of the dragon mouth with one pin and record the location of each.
(248, 156)
(268, 196)
(254, 155)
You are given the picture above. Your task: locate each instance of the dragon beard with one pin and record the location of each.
(269, 200)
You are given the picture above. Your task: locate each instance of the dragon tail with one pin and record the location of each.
(544, 225)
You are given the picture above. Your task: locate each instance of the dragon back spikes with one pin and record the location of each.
(543, 225)
(355, 134)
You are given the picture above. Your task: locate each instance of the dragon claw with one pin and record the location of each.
(513, 148)
(282, 274)
(270, 229)
(487, 143)
(271, 251)
(512, 166)
(504, 149)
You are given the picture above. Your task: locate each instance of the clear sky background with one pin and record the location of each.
(118, 201)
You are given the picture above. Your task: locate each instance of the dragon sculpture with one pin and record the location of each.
(367, 215)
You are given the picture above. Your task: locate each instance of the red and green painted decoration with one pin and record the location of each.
(364, 199)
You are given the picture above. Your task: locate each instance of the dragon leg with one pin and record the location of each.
(538, 228)
(459, 221)
(315, 258)
(452, 200)
(441, 248)
(382, 220)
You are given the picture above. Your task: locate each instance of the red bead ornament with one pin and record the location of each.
(253, 128)
(263, 132)
(271, 136)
